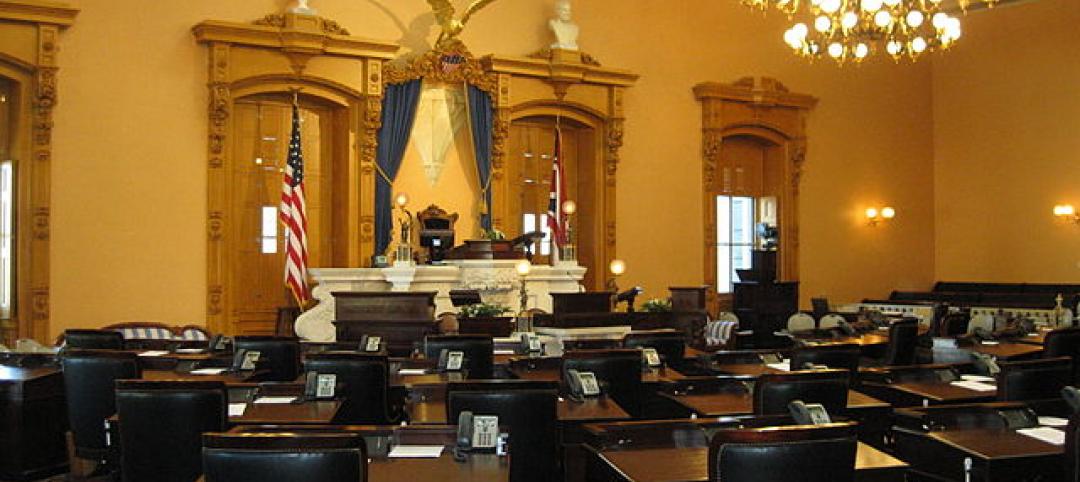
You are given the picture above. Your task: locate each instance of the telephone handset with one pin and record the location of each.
(530, 344)
(808, 413)
(320, 386)
(1017, 418)
(846, 327)
(650, 358)
(451, 361)
(771, 358)
(219, 343)
(476, 432)
(946, 375)
(582, 384)
(986, 363)
(244, 359)
(1072, 397)
(370, 344)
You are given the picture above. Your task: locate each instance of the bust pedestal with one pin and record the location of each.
(496, 280)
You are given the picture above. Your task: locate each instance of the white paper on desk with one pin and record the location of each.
(1053, 421)
(988, 342)
(977, 386)
(977, 378)
(412, 371)
(1046, 434)
(189, 350)
(209, 371)
(416, 452)
(237, 409)
(154, 353)
(503, 352)
(274, 400)
(782, 366)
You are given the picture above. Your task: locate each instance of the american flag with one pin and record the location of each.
(451, 63)
(556, 196)
(294, 216)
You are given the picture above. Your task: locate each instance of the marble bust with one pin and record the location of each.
(565, 30)
(303, 8)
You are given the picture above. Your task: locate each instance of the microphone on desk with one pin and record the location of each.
(628, 297)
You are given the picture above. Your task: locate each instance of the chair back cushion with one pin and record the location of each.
(800, 322)
(161, 427)
(1034, 380)
(364, 383)
(479, 352)
(310, 457)
(94, 339)
(784, 454)
(903, 339)
(279, 355)
(1072, 449)
(619, 370)
(90, 383)
(773, 392)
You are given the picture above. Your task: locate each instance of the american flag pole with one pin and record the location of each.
(294, 213)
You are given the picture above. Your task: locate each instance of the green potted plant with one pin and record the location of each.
(657, 305)
(485, 318)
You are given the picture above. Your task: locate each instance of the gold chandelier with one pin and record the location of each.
(851, 30)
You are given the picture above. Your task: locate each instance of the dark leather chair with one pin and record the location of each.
(773, 392)
(670, 344)
(1034, 380)
(619, 371)
(528, 409)
(479, 352)
(90, 385)
(1072, 449)
(1064, 342)
(845, 356)
(365, 382)
(954, 324)
(903, 339)
(161, 427)
(279, 355)
(94, 339)
(311, 457)
(824, 453)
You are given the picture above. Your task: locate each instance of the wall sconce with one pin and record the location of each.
(874, 216)
(1067, 213)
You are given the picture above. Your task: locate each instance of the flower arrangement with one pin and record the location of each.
(483, 310)
(657, 305)
(494, 235)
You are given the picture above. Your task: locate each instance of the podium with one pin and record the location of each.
(762, 303)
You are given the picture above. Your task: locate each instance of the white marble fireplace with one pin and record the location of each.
(496, 280)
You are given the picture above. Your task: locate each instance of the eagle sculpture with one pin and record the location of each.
(444, 16)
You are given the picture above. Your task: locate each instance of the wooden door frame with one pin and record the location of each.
(762, 108)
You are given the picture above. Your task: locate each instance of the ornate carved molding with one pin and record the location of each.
(41, 223)
(548, 54)
(279, 20)
(214, 295)
(46, 13)
(440, 65)
(220, 109)
(613, 144)
(40, 305)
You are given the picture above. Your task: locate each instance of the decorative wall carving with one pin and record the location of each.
(435, 65)
(278, 20)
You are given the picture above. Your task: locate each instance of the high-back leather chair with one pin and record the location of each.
(364, 379)
(903, 339)
(1064, 342)
(1072, 449)
(479, 352)
(773, 392)
(619, 370)
(310, 457)
(845, 356)
(1034, 379)
(528, 409)
(669, 344)
(90, 385)
(94, 339)
(161, 427)
(279, 355)
(803, 453)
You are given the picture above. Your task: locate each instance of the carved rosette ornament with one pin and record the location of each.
(214, 299)
(711, 154)
(614, 143)
(220, 104)
(40, 304)
(453, 64)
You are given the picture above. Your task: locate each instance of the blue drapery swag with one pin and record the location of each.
(480, 119)
(398, 112)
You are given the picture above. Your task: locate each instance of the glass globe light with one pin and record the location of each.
(871, 5)
(918, 45)
(822, 24)
(939, 20)
(813, 48)
(815, 2)
(800, 30)
(882, 18)
(861, 51)
(893, 47)
(871, 213)
(888, 212)
(952, 27)
(830, 6)
(523, 267)
(792, 39)
(617, 267)
(836, 50)
(401, 199)
(915, 18)
(849, 20)
(569, 207)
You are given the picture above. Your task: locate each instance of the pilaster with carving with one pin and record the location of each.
(369, 132)
(220, 111)
(498, 151)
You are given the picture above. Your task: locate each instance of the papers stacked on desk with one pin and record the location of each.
(274, 400)
(1053, 421)
(154, 353)
(973, 385)
(782, 366)
(209, 371)
(977, 378)
(237, 409)
(412, 371)
(1046, 434)
(416, 452)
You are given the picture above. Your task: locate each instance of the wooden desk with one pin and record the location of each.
(748, 369)
(935, 392)
(692, 465)
(996, 454)
(433, 411)
(319, 412)
(661, 375)
(739, 401)
(245, 378)
(1008, 350)
(33, 420)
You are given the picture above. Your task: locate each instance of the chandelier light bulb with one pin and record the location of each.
(939, 20)
(800, 30)
(830, 6)
(792, 39)
(822, 24)
(918, 45)
(883, 18)
(849, 20)
(871, 5)
(952, 27)
(892, 3)
(915, 18)
(836, 50)
(888, 212)
(861, 51)
(893, 48)
(815, 3)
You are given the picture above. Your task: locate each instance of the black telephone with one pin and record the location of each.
(582, 384)
(370, 344)
(985, 364)
(771, 358)
(219, 343)
(1017, 418)
(808, 413)
(530, 344)
(946, 375)
(476, 432)
(650, 358)
(320, 386)
(451, 361)
(1072, 397)
(244, 360)
(846, 327)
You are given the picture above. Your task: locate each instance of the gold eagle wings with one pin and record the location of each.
(444, 16)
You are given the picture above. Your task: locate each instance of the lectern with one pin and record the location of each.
(401, 318)
(761, 302)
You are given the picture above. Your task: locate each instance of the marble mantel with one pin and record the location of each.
(496, 280)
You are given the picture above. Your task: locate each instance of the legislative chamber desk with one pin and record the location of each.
(1007, 350)
(997, 455)
(33, 419)
(915, 393)
(691, 464)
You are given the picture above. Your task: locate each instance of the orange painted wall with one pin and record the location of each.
(1007, 146)
(129, 187)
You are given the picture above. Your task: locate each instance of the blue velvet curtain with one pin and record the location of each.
(480, 118)
(398, 113)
